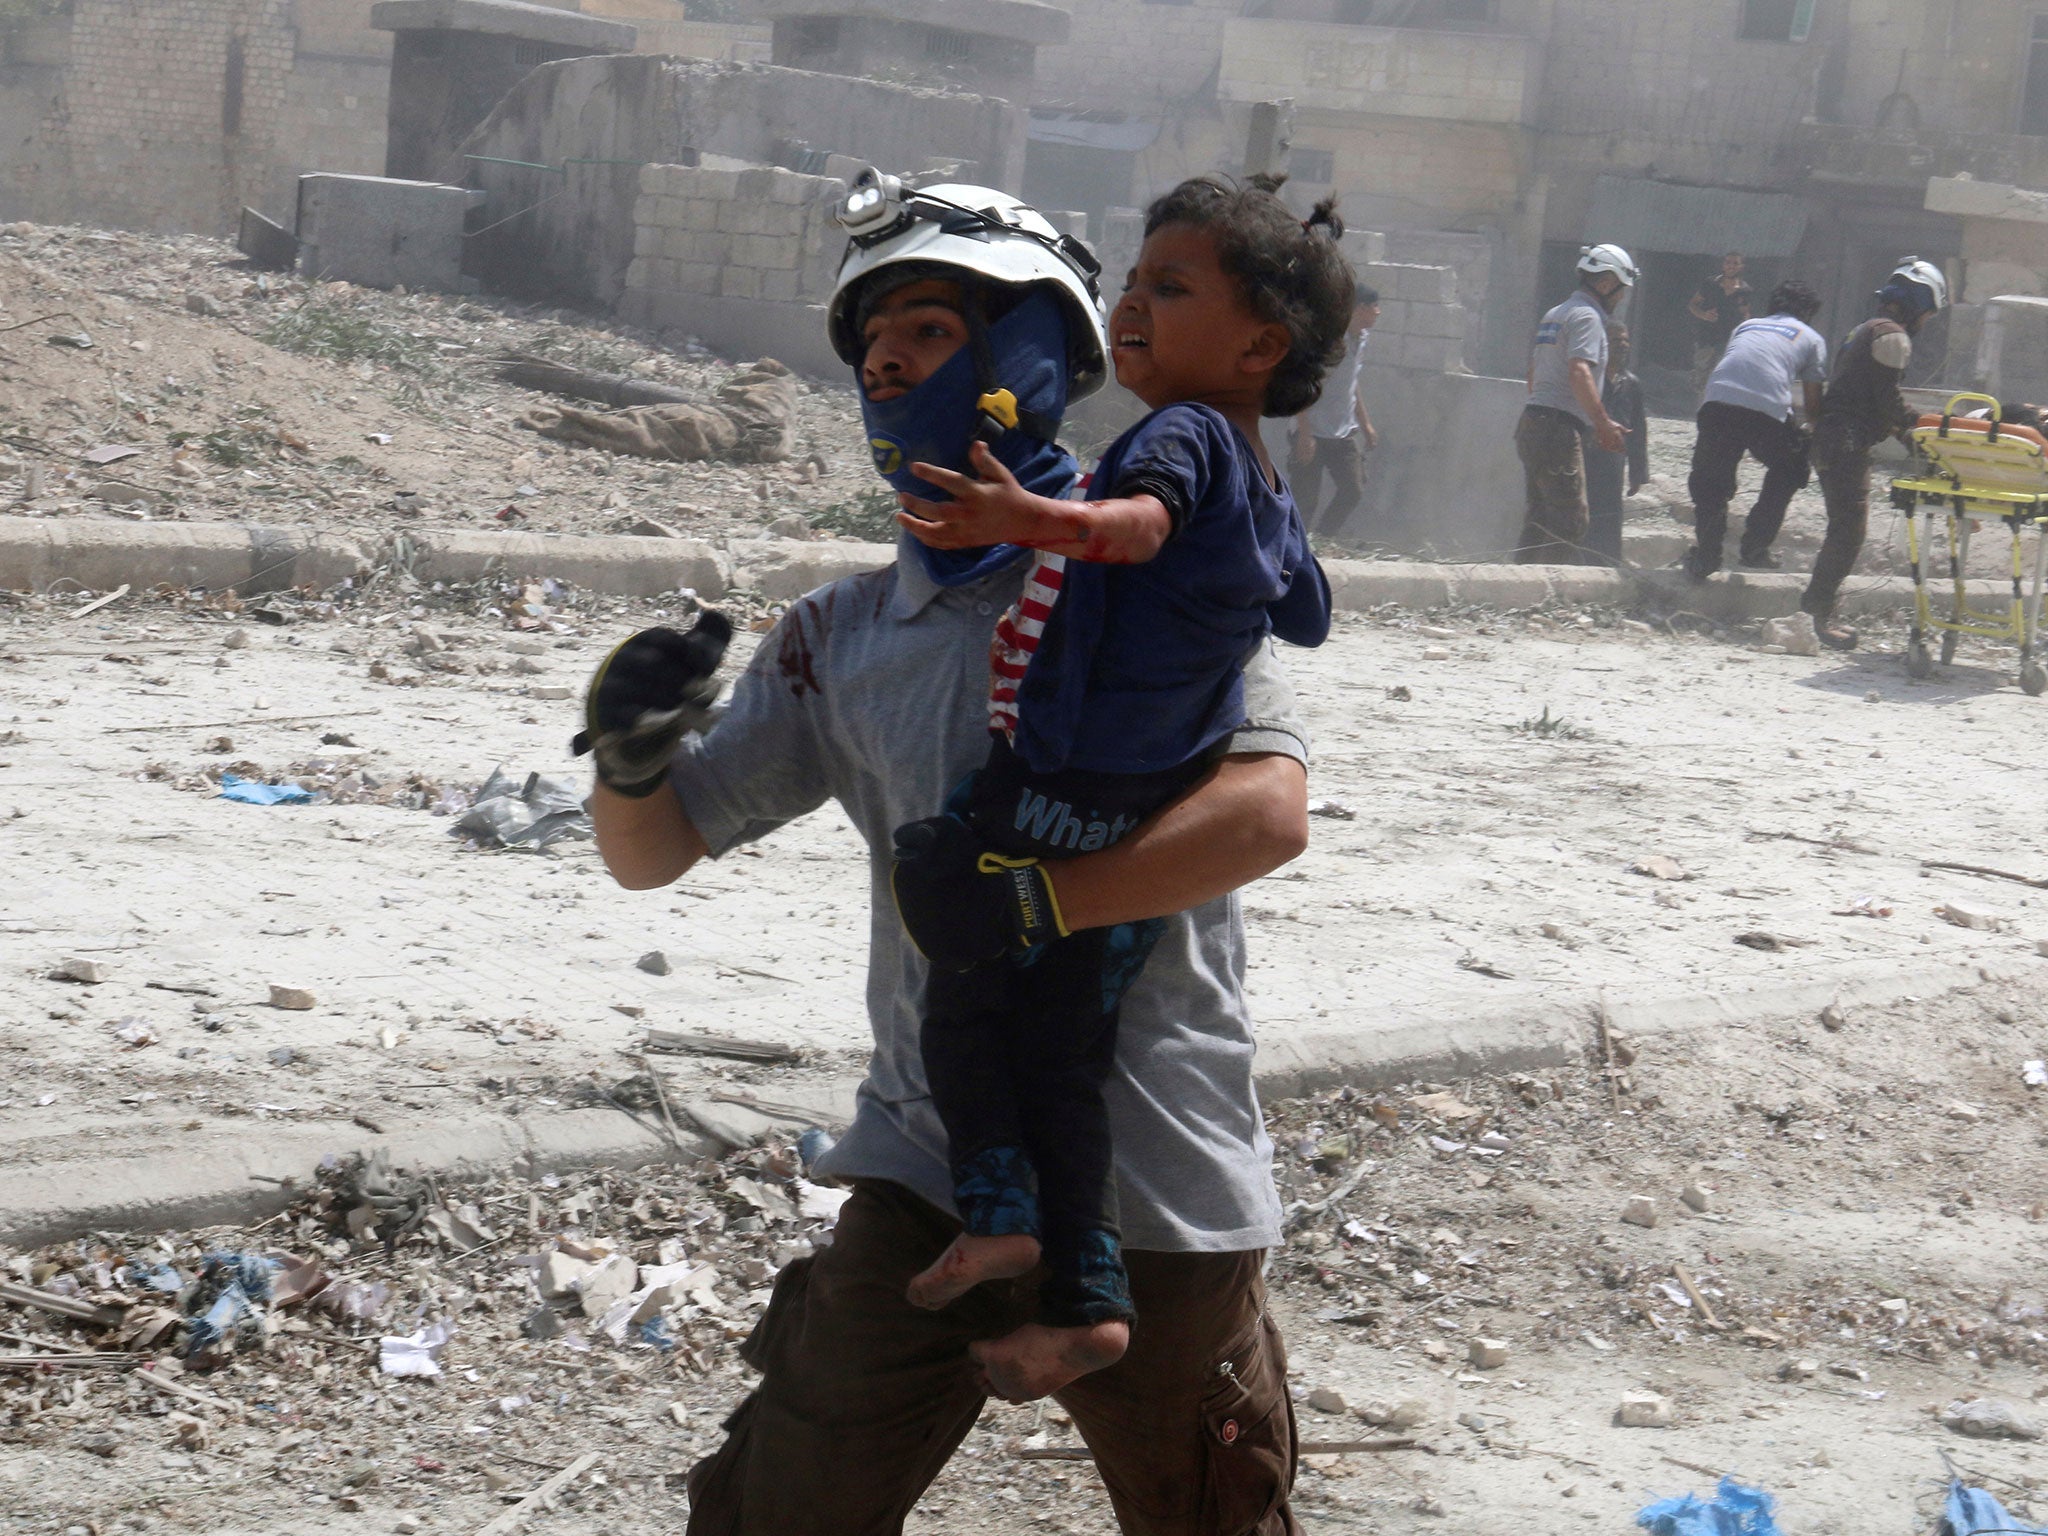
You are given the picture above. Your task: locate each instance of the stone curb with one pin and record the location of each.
(100, 555)
(238, 1179)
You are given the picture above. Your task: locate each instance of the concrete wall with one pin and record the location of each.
(742, 260)
(1464, 77)
(170, 114)
(1179, 45)
(570, 230)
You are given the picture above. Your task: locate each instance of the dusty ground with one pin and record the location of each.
(1872, 1250)
(1488, 786)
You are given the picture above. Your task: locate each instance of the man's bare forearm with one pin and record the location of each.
(647, 842)
(1245, 820)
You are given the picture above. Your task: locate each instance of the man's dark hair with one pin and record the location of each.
(1365, 297)
(1796, 299)
(1289, 272)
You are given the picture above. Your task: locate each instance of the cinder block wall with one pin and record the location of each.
(763, 233)
(1422, 324)
(170, 114)
(742, 259)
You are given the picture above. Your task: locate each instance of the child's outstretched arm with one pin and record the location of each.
(1124, 530)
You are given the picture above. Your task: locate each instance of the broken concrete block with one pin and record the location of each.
(1990, 1418)
(654, 963)
(1643, 1410)
(1487, 1354)
(76, 968)
(296, 999)
(1964, 916)
(1696, 1199)
(563, 1275)
(1406, 1413)
(1324, 1400)
(648, 528)
(551, 691)
(1641, 1211)
(612, 1280)
(1794, 633)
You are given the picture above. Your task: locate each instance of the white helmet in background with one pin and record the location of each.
(1918, 283)
(976, 230)
(1610, 259)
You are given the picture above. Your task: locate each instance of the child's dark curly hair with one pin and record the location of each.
(1289, 272)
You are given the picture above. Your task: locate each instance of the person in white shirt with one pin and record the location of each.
(1766, 383)
(1333, 436)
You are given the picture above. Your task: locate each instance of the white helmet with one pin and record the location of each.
(1611, 259)
(978, 230)
(1925, 276)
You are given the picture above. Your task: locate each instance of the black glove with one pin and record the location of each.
(963, 905)
(644, 696)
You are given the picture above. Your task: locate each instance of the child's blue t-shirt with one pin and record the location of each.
(1140, 667)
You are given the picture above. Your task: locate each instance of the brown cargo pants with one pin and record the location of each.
(863, 1397)
(1552, 448)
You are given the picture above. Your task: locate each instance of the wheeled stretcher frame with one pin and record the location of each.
(1974, 470)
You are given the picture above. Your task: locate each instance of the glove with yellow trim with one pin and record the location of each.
(652, 689)
(963, 905)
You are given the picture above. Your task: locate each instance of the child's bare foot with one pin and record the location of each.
(1036, 1361)
(969, 1261)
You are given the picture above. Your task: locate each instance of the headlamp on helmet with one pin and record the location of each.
(872, 205)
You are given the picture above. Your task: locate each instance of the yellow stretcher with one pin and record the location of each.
(1971, 471)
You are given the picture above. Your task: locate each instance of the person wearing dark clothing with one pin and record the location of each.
(1862, 407)
(1749, 410)
(1605, 471)
(1720, 304)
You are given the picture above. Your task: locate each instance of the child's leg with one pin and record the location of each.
(994, 1183)
(1073, 994)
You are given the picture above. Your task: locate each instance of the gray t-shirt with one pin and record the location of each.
(1575, 330)
(873, 691)
(1766, 360)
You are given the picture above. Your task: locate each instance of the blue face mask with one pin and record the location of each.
(936, 423)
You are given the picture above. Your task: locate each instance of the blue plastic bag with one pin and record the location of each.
(1971, 1510)
(1733, 1511)
(251, 792)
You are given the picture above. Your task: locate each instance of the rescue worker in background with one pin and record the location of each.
(1567, 370)
(1335, 433)
(1718, 305)
(1606, 472)
(1750, 409)
(1861, 408)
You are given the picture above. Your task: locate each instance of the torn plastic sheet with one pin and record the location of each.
(417, 1354)
(253, 792)
(222, 1305)
(1734, 1510)
(529, 815)
(1971, 1511)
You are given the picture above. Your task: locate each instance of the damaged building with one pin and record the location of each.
(638, 159)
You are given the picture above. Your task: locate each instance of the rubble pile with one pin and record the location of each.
(157, 377)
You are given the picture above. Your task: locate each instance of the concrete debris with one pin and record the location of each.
(654, 963)
(1833, 1019)
(1325, 1400)
(1643, 1410)
(1989, 1418)
(295, 999)
(1659, 867)
(2034, 1073)
(1694, 1198)
(1487, 1354)
(1641, 1211)
(1401, 1413)
(1793, 635)
(1965, 916)
(76, 968)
